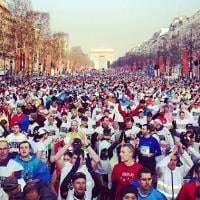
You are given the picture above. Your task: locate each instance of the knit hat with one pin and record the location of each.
(10, 183)
(78, 175)
(128, 189)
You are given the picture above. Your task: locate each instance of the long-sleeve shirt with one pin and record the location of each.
(170, 181)
(132, 113)
(149, 145)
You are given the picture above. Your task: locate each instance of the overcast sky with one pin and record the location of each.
(117, 24)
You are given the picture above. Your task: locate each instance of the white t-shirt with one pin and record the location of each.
(195, 113)
(63, 129)
(31, 127)
(14, 141)
(87, 196)
(181, 124)
(140, 121)
(53, 132)
(40, 146)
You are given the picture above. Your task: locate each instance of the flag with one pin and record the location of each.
(184, 58)
(150, 70)
(161, 64)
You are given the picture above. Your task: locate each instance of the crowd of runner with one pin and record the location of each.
(104, 135)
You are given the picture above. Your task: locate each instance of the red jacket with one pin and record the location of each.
(131, 114)
(187, 191)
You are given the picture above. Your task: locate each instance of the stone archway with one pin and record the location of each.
(102, 57)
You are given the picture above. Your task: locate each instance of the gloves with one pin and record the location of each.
(89, 163)
(174, 124)
(121, 137)
(77, 164)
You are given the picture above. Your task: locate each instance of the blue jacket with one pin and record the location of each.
(34, 169)
(152, 145)
(153, 195)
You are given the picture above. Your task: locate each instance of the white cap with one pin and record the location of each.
(42, 131)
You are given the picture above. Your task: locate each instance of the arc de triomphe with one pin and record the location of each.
(102, 57)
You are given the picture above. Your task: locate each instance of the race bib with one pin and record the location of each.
(144, 150)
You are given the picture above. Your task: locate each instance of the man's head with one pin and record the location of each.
(145, 179)
(16, 128)
(190, 137)
(24, 149)
(145, 129)
(19, 110)
(74, 126)
(127, 152)
(4, 149)
(68, 156)
(173, 162)
(7, 97)
(149, 116)
(105, 121)
(182, 115)
(128, 109)
(42, 133)
(157, 123)
(64, 116)
(51, 120)
(106, 113)
(84, 121)
(129, 123)
(166, 108)
(141, 113)
(79, 183)
(74, 112)
(115, 125)
(32, 191)
(99, 104)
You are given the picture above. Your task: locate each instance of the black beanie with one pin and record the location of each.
(128, 189)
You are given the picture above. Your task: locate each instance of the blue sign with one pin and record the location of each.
(150, 70)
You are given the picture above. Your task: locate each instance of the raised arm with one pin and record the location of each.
(90, 150)
(57, 158)
(65, 183)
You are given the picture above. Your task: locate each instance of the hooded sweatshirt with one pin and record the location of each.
(34, 168)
